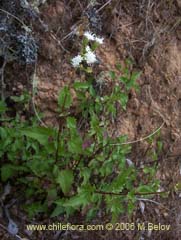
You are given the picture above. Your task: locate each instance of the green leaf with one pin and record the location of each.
(82, 198)
(3, 107)
(135, 76)
(119, 182)
(52, 194)
(114, 205)
(112, 75)
(149, 170)
(129, 62)
(75, 144)
(39, 165)
(132, 81)
(123, 79)
(92, 91)
(71, 122)
(23, 98)
(65, 179)
(41, 134)
(55, 171)
(35, 208)
(86, 172)
(7, 171)
(92, 213)
(57, 211)
(81, 85)
(112, 109)
(160, 146)
(64, 98)
(3, 133)
(77, 201)
(118, 66)
(131, 206)
(144, 189)
(123, 100)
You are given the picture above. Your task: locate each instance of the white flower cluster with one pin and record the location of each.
(89, 56)
(77, 60)
(92, 37)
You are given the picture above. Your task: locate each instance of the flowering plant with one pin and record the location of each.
(78, 166)
(87, 55)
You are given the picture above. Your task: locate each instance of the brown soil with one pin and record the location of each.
(149, 33)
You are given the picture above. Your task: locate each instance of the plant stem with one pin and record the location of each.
(3, 85)
(124, 194)
(60, 128)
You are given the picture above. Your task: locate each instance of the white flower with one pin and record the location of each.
(88, 49)
(90, 36)
(77, 60)
(99, 40)
(90, 56)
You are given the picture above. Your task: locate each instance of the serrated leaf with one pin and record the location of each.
(64, 98)
(77, 201)
(57, 211)
(41, 134)
(65, 179)
(82, 198)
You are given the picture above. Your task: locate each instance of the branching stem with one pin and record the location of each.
(125, 194)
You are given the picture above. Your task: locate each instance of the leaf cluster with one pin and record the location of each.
(75, 166)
